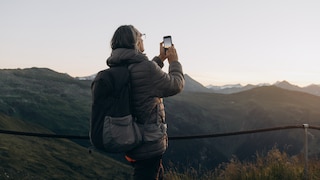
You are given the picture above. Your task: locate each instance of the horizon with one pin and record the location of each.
(221, 85)
(220, 42)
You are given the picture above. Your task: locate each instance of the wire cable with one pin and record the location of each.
(43, 135)
(170, 138)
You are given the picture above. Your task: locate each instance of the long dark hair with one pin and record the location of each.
(126, 36)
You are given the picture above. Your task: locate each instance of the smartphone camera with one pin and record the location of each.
(167, 42)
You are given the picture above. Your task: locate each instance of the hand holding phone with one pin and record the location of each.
(172, 54)
(168, 50)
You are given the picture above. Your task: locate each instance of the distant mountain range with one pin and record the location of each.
(194, 86)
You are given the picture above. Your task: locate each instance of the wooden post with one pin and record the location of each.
(306, 126)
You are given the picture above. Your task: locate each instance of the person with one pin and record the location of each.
(149, 84)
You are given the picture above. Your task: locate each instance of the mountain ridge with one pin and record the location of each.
(195, 86)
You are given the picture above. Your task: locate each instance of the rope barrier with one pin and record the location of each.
(235, 133)
(170, 138)
(19, 133)
(303, 126)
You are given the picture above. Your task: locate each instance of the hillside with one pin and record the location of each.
(264, 107)
(44, 158)
(61, 104)
(44, 97)
(48, 102)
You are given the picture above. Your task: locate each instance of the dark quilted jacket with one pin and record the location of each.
(149, 85)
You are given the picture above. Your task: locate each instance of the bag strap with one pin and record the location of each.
(129, 66)
(131, 104)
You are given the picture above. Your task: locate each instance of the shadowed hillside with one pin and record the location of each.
(264, 107)
(61, 104)
(45, 158)
(44, 97)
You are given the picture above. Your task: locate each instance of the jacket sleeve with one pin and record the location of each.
(157, 60)
(167, 84)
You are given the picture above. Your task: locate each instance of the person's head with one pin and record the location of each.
(127, 36)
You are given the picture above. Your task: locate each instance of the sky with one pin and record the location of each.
(218, 42)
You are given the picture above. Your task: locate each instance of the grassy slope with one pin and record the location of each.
(44, 158)
(53, 100)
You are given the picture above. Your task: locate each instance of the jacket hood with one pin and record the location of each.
(123, 56)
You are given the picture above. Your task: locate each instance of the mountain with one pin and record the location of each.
(287, 85)
(228, 86)
(235, 88)
(40, 100)
(192, 85)
(53, 102)
(88, 78)
(311, 89)
(230, 89)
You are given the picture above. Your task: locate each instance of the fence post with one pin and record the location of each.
(306, 126)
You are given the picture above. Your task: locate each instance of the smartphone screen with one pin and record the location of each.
(167, 42)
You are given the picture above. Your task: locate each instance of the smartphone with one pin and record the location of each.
(167, 42)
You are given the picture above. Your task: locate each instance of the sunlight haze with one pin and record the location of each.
(218, 42)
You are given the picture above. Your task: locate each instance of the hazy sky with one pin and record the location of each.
(218, 41)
